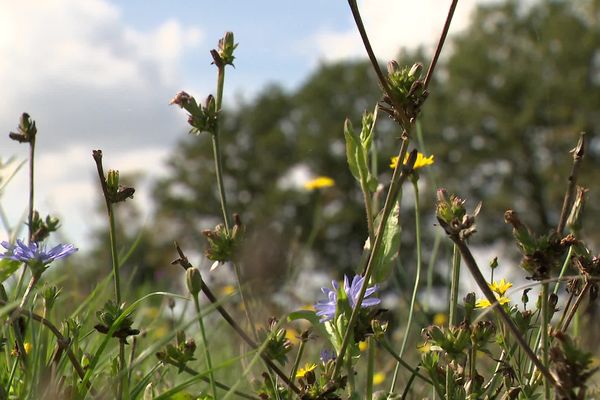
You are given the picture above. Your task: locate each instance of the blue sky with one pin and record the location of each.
(98, 74)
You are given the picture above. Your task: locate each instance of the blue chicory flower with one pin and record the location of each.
(327, 355)
(326, 309)
(35, 255)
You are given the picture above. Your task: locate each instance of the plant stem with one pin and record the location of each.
(217, 383)
(483, 286)
(217, 149)
(386, 345)
(578, 153)
(205, 344)
(452, 318)
(370, 368)
(399, 176)
(417, 280)
(296, 364)
(368, 210)
(208, 293)
(219, 174)
(544, 331)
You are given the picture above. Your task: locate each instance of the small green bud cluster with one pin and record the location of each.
(407, 92)
(109, 315)
(202, 118)
(223, 245)
(277, 343)
(180, 354)
(224, 54)
(452, 215)
(41, 228)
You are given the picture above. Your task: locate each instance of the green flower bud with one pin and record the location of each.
(193, 279)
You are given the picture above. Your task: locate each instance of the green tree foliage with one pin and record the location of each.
(520, 85)
(505, 108)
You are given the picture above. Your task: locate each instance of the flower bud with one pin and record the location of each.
(193, 280)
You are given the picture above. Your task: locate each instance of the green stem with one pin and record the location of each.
(370, 368)
(544, 330)
(205, 344)
(416, 285)
(399, 176)
(454, 287)
(31, 187)
(386, 345)
(296, 364)
(219, 173)
(368, 210)
(217, 149)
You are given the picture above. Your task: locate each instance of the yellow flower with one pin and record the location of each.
(378, 378)
(307, 368)
(440, 319)
(421, 161)
(28, 347)
(484, 303)
(424, 348)
(292, 335)
(500, 287)
(319, 182)
(227, 290)
(362, 346)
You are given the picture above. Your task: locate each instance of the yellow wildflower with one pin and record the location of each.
(424, 347)
(421, 161)
(227, 290)
(292, 335)
(484, 303)
(319, 182)
(307, 368)
(440, 319)
(378, 378)
(28, 347)
(362, 346)
(500, 287)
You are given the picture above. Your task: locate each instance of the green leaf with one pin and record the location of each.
(352, 146)
(389, 247)
(7, 268)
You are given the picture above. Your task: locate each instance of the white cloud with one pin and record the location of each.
(90, 80)
(391, 25)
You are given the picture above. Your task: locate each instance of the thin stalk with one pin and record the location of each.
(296, 364)
(454, 283)
(238, 276)
(370, 368)
(350, 374)
(368, 210)
(217, 149)
(413, 299)
(208, 293)
(441, 41)
(573, 309)
(399, 176)
(386, 345)
(217, 383)
(211, 376)
(219, 174)
(578, 153)
(472, 367)
(31, 188)
(544, 331)
(483, 286)
(97, 155)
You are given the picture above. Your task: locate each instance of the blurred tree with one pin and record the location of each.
(505, 108)
(520, 85)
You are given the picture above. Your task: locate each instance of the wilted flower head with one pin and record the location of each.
(35, 255)
(326, 309)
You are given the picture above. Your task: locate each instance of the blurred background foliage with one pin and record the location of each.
(510, 97)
